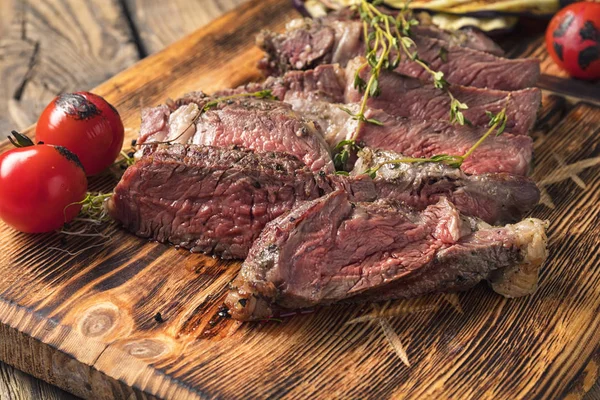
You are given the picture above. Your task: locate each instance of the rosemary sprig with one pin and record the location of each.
(497, 123)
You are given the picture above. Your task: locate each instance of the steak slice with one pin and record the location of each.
(308, 43)
(400, 96)
(261, 125)
(209, 199)
(467, 37)
(409, 97)
(505, 153)
(330, 249)
(325, 83)
(468, 67)
(217, 200)
(495, 198)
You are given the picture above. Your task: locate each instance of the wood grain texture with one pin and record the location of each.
(86, 320)
(16, 385)
(52, 46)
(184, 16)
(594, 393)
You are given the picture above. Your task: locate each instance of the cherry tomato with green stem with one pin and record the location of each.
(41, 186)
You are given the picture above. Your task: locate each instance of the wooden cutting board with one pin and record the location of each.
(82, 312)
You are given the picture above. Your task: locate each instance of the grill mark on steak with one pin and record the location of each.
(337, 250)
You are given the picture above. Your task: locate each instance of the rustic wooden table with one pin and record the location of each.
(52, 46)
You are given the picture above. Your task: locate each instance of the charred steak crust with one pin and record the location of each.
(332, 249)
(209, 199)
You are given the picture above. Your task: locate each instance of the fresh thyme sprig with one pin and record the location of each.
(497, 123)
(342, 152)
(386, 38)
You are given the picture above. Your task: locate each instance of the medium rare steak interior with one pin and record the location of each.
(334, 39)
(332, 249)
(210, 199)
(401, 96)
(248, 172)
(217, 201)
(255, 124)
(506, 153)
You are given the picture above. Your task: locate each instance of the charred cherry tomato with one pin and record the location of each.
(573, 39)
(39, 186)
(87, 125)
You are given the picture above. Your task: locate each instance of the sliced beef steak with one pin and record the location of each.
(331, 249)
(495, 198)
(325, 83)
(261, 125)
(409, 97)
(468, 37)
(505, 153)
(400, 96)
(468, 67)
(217, 200)
(209, 199)
(308, 43)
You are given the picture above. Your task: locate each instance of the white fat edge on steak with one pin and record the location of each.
(334, 122)
(522, 279)
(181, 127)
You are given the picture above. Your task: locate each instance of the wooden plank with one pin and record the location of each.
(184, 17)
(16, 385)
(47, 47)
(91, 315)
(594, 393)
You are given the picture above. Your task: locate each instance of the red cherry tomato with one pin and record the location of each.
(38, 186)
(85, 124)
(573, 39)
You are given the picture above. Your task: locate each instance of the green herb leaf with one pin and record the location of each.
(374, 91)
(443, 54)
(359, 83)
(372, 172)
(343, 143)
(374, 121)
